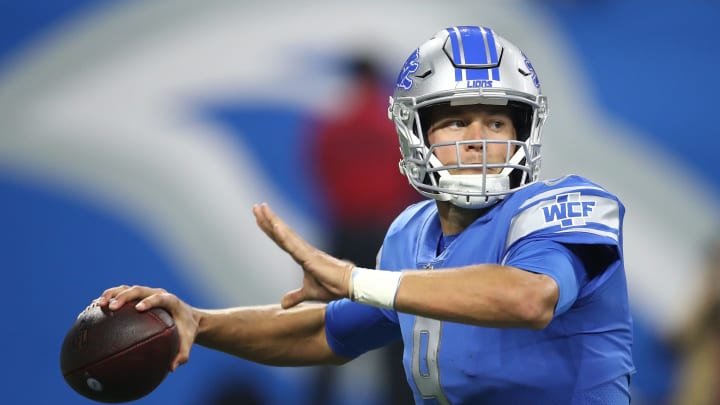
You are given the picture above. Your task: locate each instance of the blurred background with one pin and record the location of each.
(135, 137)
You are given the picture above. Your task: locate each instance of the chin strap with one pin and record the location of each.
(463, 184)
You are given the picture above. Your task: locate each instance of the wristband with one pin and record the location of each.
(374, 287)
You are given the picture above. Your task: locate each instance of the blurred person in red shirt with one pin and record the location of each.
(353, 154)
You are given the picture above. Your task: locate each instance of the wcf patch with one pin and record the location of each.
(569, 210)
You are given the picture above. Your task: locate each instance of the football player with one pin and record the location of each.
(504, 289)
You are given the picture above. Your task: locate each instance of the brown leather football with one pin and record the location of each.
(118, 356)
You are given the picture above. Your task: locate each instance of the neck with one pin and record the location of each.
(454, 219)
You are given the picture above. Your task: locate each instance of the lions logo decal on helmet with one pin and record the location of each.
(404, 80)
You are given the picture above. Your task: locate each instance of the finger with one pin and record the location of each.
(262, 221)
(109, 294)
(268, 220)
(134, 293)
(159, 299)
(285, 237)
(273, 226)
(292, 298)
(182, 356)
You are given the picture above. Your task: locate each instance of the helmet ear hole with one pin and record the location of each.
(422, 124)
(516, 176)
(432, 179)
(522, 115)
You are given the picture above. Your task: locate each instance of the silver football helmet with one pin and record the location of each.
(464, 66)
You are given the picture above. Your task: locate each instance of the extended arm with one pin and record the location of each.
(484, 294)
(269, 334)
(264, 334)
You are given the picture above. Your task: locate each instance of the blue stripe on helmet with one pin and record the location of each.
(495, 72)
(456, 52)
(474, 46)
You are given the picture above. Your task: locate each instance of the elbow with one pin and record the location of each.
(538, 308)
(538, 319)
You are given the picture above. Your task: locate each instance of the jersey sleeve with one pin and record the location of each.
(353, 329)
(554, 260)
(573, 212)
(570, 230)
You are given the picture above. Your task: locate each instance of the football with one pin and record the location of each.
(118, 356)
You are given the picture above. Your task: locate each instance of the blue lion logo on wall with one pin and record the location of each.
(411, 66)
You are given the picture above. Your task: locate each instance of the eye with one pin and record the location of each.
(497, 124)
(449, 123)
(455, 124)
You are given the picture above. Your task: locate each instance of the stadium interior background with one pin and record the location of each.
(135, 136)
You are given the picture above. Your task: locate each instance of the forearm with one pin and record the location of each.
(268, 334)
(484, 295)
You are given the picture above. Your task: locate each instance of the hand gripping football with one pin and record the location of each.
(118, 356)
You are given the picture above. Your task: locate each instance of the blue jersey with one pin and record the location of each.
(569, 229)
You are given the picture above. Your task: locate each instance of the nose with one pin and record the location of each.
(474, 131)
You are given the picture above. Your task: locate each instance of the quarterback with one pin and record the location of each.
(504, 288)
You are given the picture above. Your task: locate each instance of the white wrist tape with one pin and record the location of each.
(374, 287)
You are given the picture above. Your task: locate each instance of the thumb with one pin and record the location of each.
(292, 298)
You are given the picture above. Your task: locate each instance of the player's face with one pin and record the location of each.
(471, 122)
